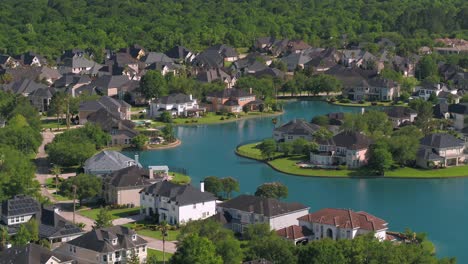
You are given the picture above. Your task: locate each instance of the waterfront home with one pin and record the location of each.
(441, 150)
(459, 113)
(230, 100)
(342, 224)
(176, 204)
(108, 161)
(33, 254)
(178, 104)
(123, 186)
(400, 115)
(116, 244)
(119, 107)
(296, 234)
(346, 148)
(295, 129)
(244, 210)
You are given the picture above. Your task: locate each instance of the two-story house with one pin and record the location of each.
(459, 113)
(342, 224)
(118, 107)
(244, 210)
(399, 115)
(230, 100)
(176, 204)
(33, 254)
(177, 104)
(115, 244)
(295, 129)
(108, 161)
(123, 186)
(441, 150)
(345, 148)
(19, 210)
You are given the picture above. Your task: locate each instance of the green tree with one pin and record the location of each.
(103, 218)
(22, 237)
(268, 148)
(286, 148)
(426, 67)
(272, 190)
(326, 251)
(56, 171)
(140, 141)
(425, 112)
(377, 122)
(87, 186)
(166, 117)
(164, 227)
(134, 259)
(4, 237)
(299, 146)
(168, 132)
(213, 185)
(433, 98)
(19, 135)
(153, 85)
(66, 154)
(229, 185)
(380, 159)
(33, 229)
(323, 134)
(321, 120)
(197, 250)
(405, 144)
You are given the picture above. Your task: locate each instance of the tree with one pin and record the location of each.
(354, 123)
(229, 185)
(66, 154)
(134, 259)
(153, 85)
(56, 171)
(268, 148)
(22, 237)
(433, 98)
(425, 113)
(166, 117)
(404, 96)
(168, 132)
(299, 146)
(164, 227)
(33, 229)
(140, 141)
(426, 67)
(87, 186)
(380, 159)
(405, 144)
(321, 120)
(286, 148)
(323, 134)
(19, 135)
(213, 185)
(197, 250)
(272, 190)
(377, 122)
(4, 237)
(103, 218)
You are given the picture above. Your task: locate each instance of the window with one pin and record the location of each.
(133, 237)
(117, 254)
(137, 250)
(104, 258)
(74, 249)
(17, 219)
(22, 219)
(194, 206)
(143, 196)
(124, 253)
(114, 241)
(143, 249)
(71, 249)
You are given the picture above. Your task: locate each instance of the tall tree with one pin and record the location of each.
(268, 148)
(103, 218)
(153, 85)
(87, 186)
(272, 190)
(197, 250)
(229, 185)
(213, 185)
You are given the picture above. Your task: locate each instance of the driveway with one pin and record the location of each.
(170, 247)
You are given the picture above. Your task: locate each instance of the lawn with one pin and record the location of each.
(52, 123)
(288, 165)
(252, 151)
(145, 229)
(116, 213)
(180, 178)
(159, 255)
(423, 173)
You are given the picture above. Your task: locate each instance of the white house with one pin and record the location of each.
(244, 210)
(343, 224)
(175, 203)
(177, 104)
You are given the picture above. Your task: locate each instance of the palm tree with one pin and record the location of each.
(56, 170)
(164, 227)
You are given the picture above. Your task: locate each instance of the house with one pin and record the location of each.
(123, 63)
(177, 104)
(399, 115)
(110, 85)
(24, 87)
(441, 111)
(216, 74)
(56, 229)
(18, 210)
(322, 59)
(296, 46)
(153, 57)
(245, 210)
(116, 244)
(346, 148)
(42, 74)
(180, 54)
(295, 129)
(31, 59)
(117, 107)
(41, 98)
(33, 254)
(208, 59)
(164, 67)
(230, 100)
(7, 61)
(123, 186)
(78, 64)
(459, 113)
(359, 58)
(343, 224)
(252, 63)
(449, 97)
(136, 51)
(176, 204)
(108, 161)
(452, 46)
(296, 60)
(441, 150)
(228, 53)
(296, 234)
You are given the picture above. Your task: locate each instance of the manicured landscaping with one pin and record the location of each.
(159, 255)
(180, 178)
(407, 172)
(367, 104)
(145, 228)
(252, 151)
(116, 213)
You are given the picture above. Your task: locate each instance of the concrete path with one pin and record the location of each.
(128, 219)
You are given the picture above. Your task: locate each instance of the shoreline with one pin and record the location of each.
(174, 144)
(278, 169)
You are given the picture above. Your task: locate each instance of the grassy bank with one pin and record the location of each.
(180, 178)
(116, 213)
(253, 151)
(159, 255)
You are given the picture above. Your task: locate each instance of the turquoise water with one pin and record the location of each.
(437, 207)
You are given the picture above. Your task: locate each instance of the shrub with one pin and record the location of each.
(362, 102)
(345, 101)
(222, 118)
(342, 167)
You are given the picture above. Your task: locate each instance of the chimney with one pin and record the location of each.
(250, 90)
(202, 186)
(190, 97)
(151, 172)
(136, 158)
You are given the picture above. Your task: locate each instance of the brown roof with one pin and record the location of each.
(294, 232)
(346, 218)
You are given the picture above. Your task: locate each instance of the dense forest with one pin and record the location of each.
(51, 26)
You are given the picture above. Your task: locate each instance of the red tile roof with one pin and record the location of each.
(346, 218)
(294, 232)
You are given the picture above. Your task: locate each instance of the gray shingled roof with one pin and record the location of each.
(298, 127)
(153, 57)
(178, 52)
(459, 108)
(132, 176)
(260, 205)
(108, 160)
(20, 205)
(180, 194)
(177, 98)
(53, 225)
(30, 254)
(349, 140)
(440, 140)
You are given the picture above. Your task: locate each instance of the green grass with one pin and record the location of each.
(59, 197)
(146, 229)
(116, 213)
(159, 255)
(427, 173)
(288, 165)
(252, 151)
(47, 124)
(138, 108)
(180, 178)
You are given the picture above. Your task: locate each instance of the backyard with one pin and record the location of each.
(145, 228)
(159, 255)
(115, 213)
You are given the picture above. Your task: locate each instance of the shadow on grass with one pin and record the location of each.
(135, 211)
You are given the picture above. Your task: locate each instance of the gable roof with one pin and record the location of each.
(23, 86)
(441, 140)
(230, 93)
(209, 59)
(100, 240)
(346, 218)
(153, 57)
(109, 160)
(349, 140)
(52, 225)
(180, 194)
(178, 52)
(31, 254)
(212, 75)
(224, 50)
(399, 112)
(132, 176)
(260, 205)
(298, 127)
(20, 205)
(294, 232)
(176, 98)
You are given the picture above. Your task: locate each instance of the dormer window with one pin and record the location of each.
(114, 241)
(134, 237)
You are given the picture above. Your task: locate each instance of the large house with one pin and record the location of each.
(399, 115)
(295, 129)
(230, 100)
(177, 104)
(115, 244)
(33, 254)
(460, 115)
(441, 150)
(108, 161)
(244, 210)
(118, 107)
(56, 229)
(345, 148)
(177, 204)
(342, 224)
(123, 186)
(19, 210)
